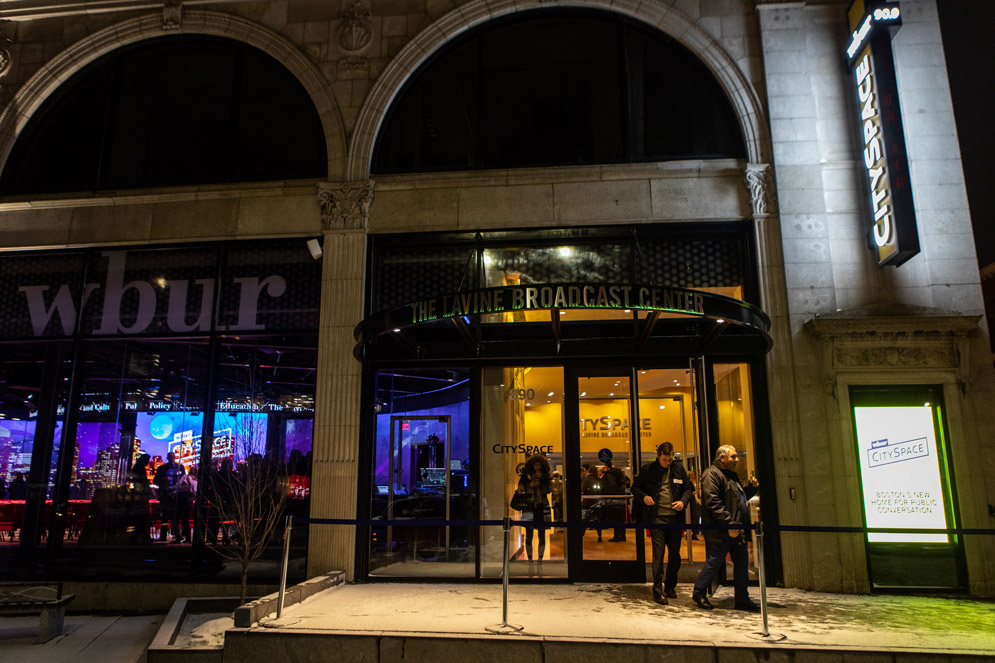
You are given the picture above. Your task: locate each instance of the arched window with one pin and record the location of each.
(557, 87)
(170, 111)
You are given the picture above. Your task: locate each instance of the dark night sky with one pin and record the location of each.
(969, 44)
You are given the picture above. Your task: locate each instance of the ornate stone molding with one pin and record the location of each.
(895, 356)
(355, 31)
(760, 184)
(5, 44)
(895, 337)
(172, 16)
(354, 65)
(345, 205)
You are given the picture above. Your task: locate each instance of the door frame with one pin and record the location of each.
(396, 470)
(579, 569)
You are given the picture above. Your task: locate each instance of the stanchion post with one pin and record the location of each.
(504, 573)
(504, 626)
(286, 561)
(763, 577)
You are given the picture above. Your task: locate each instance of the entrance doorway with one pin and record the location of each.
(431, 463)
(614, 437)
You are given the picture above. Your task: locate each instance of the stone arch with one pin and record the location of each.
(61, 68)
(741, 94)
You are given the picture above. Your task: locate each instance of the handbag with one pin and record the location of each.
(520, 501)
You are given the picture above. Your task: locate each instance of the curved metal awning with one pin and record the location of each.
(678, 321)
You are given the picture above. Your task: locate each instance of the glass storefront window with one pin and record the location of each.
(521, 417)
(21, 383)
(141, 403)
(260, 458)
(421, 473)
(135, 469)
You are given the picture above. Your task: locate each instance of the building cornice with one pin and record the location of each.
(880, 321)
(27, 10)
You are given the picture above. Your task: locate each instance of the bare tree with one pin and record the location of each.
(249, 498)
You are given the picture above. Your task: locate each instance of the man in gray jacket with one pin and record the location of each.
(723, 502)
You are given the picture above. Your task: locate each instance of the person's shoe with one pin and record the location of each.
(659, 597)
(670, 594)
(702, 602)
(748, 606)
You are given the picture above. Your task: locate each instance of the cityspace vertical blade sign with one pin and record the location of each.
(900, 472)
(893, 235)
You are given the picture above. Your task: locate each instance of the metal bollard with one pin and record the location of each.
(504, 626)
(286, 562)
(765, 634)
(763, 577)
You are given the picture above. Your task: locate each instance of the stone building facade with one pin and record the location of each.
(837, 319)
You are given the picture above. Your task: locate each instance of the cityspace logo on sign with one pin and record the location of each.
(900, 473)
(893, 235)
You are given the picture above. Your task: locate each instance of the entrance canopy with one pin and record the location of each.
(539, 321)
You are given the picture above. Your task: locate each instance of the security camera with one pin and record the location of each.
(314, 247)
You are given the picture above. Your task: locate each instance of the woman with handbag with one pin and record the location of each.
(535, 486)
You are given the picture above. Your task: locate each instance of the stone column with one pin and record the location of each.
(344, 218)
(780, 370)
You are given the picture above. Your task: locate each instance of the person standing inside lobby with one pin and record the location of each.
(724, 503)
(662, 492)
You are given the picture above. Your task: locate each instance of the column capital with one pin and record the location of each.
(345, 205)
(760, 184)
(5, 44)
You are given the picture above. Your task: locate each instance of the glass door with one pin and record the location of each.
(418, 489)
(667, 413)
(602, 448)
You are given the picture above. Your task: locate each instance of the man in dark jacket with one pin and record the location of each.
(661, 493)
(613, 483)
(723, 502)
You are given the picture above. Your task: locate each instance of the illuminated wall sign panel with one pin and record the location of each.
(893, 235)
(900, 472)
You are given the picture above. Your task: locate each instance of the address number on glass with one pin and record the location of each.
(521, 394)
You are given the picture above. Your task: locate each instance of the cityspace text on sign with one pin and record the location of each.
(893, 235)
(512, 298)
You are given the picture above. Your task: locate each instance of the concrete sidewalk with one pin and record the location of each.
(98, 638)
(376, 621)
